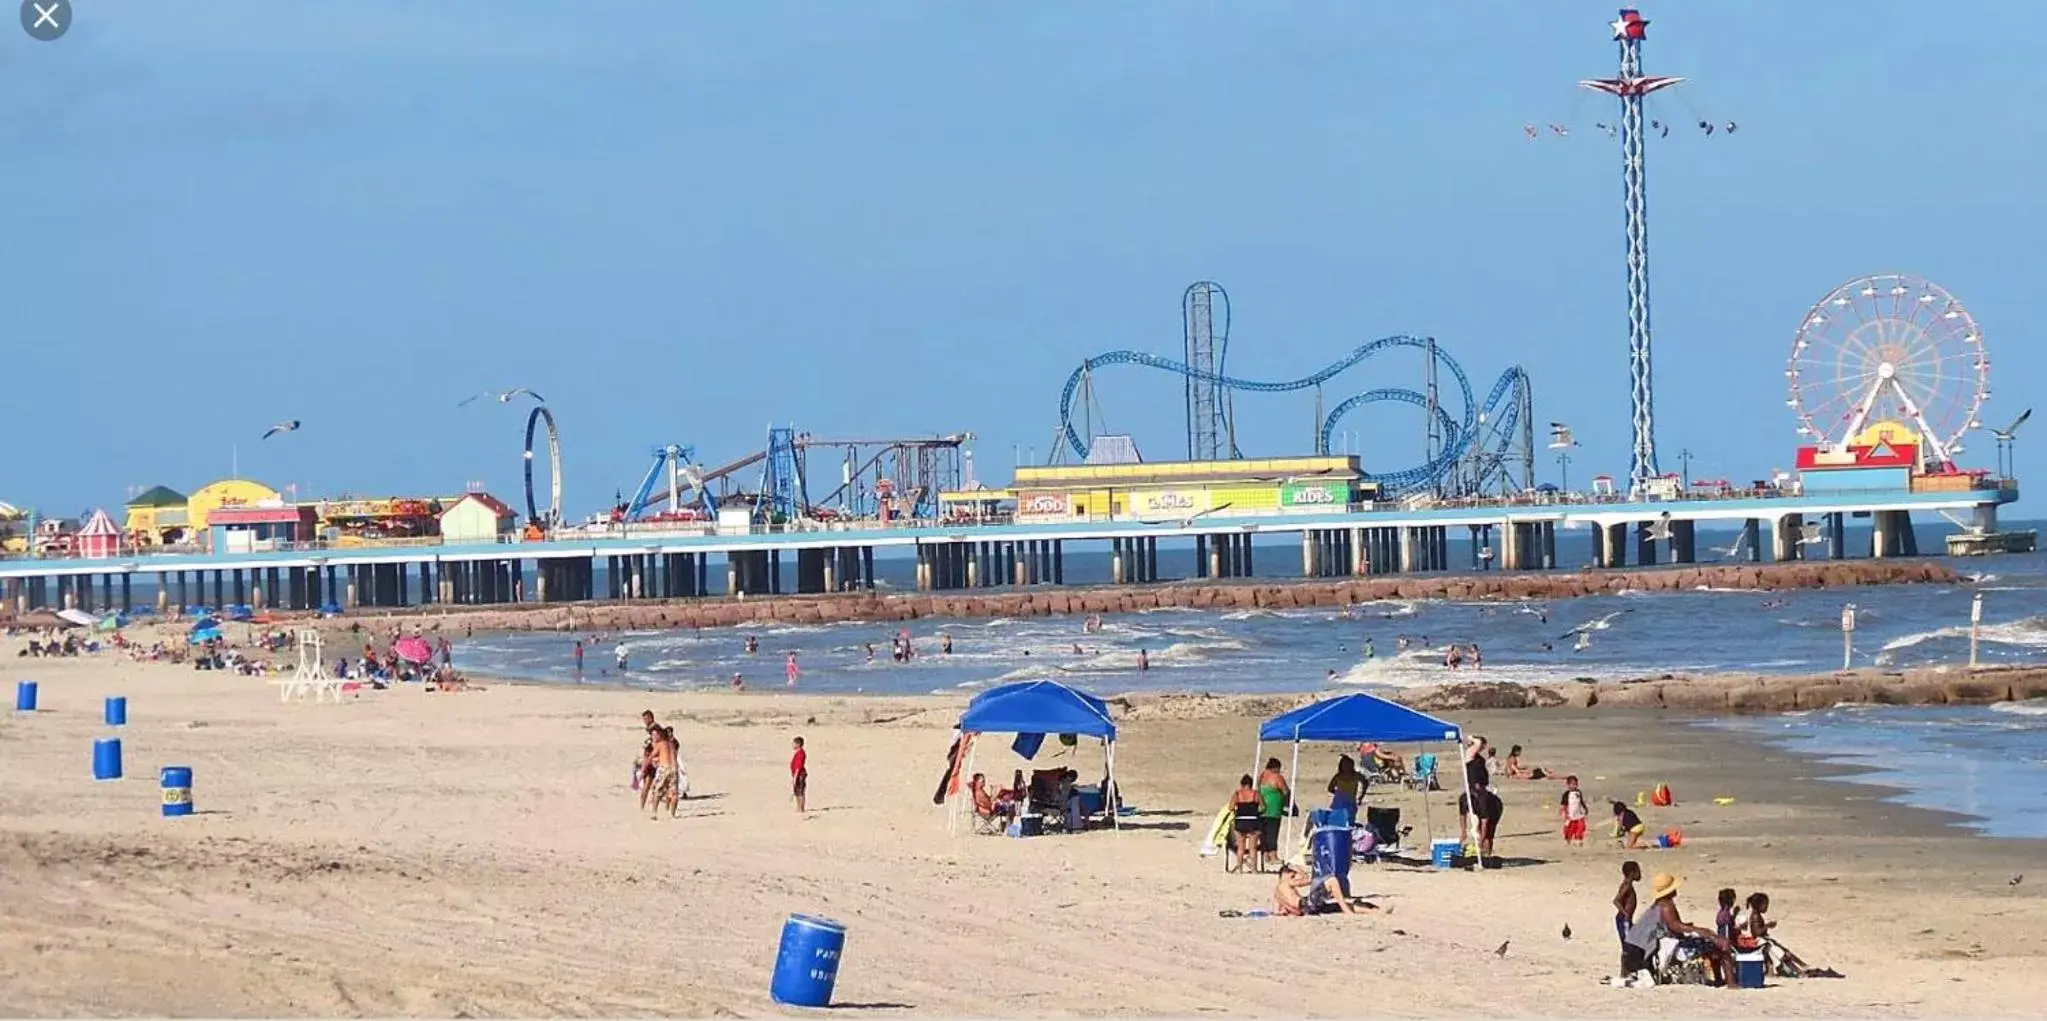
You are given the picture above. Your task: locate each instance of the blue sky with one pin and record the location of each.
(681, 221)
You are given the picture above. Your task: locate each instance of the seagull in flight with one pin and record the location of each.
(281, 427)
(503, 396)
(1809, 533)
(1658, 530)
(1598, 624)
(1187, 521)
(1740, 540)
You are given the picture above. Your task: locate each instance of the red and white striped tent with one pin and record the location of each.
(99, 539)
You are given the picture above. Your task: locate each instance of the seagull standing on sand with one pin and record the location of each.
(503, 396)
(281, 427)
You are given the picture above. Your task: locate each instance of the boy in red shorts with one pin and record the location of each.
(1572, 807)
(799, 774)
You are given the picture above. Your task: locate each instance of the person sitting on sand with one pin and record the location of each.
(1661, 919)
(1515, 770)
(1299, 893)
(1753, 930)
(1628, 827)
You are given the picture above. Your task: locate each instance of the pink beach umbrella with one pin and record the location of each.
(413, 650)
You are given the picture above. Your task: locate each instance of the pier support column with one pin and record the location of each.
(1684, 542)
(1752, 539)
(1116, 562)
(1837, 535)
(1645, 544)
(1408, 549)
(1311, 561)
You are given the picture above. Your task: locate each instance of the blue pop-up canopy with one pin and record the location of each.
(1038, 707)
(1356, 717)
(1353, 717)
(1032, 709)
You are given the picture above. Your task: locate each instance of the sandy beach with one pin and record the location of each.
(479, 853)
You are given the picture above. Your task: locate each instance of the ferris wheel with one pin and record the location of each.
(1888, 348)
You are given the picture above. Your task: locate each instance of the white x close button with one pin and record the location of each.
(45, 20)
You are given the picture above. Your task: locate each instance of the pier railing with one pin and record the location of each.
(674, 529)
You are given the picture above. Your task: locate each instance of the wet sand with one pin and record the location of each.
(479, 853)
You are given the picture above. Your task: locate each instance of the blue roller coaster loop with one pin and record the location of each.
(1457, 435)
(1500, 413)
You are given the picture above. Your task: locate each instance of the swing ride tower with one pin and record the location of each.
(1631, 87)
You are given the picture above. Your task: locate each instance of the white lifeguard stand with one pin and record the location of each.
(311, 677)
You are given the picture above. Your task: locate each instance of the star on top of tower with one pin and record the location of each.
(1630, 25)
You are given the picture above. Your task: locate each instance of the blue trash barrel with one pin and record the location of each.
(1330, 848)
(1443, 853)
(176, 782)
(807, 965)
(106, 759)
(25, 696)
(117, 710)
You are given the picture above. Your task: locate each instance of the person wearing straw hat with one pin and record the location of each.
(1660, 919)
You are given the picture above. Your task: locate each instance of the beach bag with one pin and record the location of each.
(1662, 797)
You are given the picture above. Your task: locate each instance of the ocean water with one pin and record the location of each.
(1986, 762)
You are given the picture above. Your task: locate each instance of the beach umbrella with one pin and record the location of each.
(202, 635)
(413, 650)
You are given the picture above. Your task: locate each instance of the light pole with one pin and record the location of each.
(1561, 441)
(1684, 469)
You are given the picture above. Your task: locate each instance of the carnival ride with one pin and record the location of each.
(1889, 348)
(1631, 124)
(1485, 446)
(678, 462)
(882, 478)
(553, 518)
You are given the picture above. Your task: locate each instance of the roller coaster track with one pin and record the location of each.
(1460, 436)
(554, 469)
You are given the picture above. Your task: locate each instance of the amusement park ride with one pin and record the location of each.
(880, 479)
(1473, 447)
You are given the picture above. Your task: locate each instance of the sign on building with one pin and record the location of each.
(1042, 504)
(1333, 495)
(1171, 501)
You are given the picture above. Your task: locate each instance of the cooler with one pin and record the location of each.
(1750, 969)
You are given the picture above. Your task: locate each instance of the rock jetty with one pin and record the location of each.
(1720, 694)
(1191, 595)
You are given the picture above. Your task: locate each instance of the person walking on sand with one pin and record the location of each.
(799, 775)
(790, 670)
(664, 772)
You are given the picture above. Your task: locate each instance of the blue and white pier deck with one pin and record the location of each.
(672, 561)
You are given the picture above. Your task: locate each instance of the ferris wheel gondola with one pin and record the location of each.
(1888, 348)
